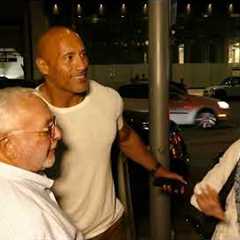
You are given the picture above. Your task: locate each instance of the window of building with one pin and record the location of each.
(234, 53)
(181, 54)
(11, 64)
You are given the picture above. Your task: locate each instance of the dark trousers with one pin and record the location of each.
(116, 232)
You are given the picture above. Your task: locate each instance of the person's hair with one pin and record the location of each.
(12, 99)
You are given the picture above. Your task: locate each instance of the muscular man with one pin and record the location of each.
(90, 116)
(28, 138)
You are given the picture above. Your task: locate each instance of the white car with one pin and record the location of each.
(229, 87)
(184, 109)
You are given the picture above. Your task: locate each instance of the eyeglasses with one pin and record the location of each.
(49, 131)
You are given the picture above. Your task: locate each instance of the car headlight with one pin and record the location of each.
(145, 125)
(223, 105)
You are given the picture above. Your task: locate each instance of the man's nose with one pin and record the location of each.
(57, 133)
(82, 62)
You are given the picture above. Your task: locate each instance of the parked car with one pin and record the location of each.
(184, 108)
(228, 88)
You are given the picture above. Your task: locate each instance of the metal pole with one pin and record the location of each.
(159, 78)
(124, 192)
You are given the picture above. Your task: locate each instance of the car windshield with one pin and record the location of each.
(140, 91)
(134, 91)
(175, 96)
(231, 81)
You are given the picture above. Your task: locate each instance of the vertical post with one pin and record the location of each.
(124, 192)
(159, 78)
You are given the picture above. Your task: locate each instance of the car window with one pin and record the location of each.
(176, 96)
(226, 81)
(231, 81)
(134, 91)
(235, 81)
(140, 91)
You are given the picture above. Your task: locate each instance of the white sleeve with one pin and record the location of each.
(17, 230)
(219, 174)
(120, 113)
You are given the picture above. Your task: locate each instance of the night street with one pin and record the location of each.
(113, 73)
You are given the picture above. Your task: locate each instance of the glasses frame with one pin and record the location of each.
(50, 130)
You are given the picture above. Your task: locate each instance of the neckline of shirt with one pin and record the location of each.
(11, 172)
(72, 108)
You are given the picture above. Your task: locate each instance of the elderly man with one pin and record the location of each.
(90, 116)
(28, 138)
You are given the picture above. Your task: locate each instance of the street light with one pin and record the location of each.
(230, 8)
(145, 9)
(123, 10)
(79, 10)
(101, 9)
(188, 8)
(55, 9)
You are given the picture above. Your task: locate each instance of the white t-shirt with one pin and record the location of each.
(28, 209)
(85, 187)
(216, 178)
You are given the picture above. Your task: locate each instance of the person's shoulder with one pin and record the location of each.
(13, 192)
(13, 198)
(236, 143)
(105, 90)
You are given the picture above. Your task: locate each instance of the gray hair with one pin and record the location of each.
(12, 99)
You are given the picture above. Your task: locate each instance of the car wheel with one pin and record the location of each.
(206, 119)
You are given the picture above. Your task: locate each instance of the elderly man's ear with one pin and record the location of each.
(42, 66)
(7, 149)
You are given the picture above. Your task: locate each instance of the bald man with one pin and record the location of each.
(90, 116)
(28, 139)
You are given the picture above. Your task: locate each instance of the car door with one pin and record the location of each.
(179, 108)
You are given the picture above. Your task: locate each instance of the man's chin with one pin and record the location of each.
(83, 89)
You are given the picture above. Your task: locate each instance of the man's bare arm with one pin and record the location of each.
(133, 147)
